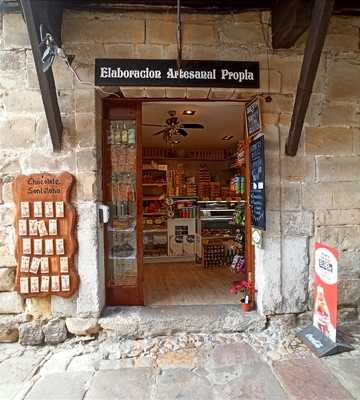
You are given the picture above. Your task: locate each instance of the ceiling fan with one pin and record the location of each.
(174, 127)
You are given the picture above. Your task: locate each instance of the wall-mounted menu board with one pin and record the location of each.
(253, 117)
(45, 235)
(257, 180)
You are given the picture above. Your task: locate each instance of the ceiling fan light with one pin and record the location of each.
(189, 112)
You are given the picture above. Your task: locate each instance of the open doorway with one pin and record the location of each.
(193, 201)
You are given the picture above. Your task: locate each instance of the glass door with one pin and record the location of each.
(122, 174)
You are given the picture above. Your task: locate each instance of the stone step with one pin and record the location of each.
(141, 322)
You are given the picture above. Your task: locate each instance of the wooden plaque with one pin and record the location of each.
(45, 235)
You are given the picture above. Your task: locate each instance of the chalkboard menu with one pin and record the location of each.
(257, 192)
(253, 117)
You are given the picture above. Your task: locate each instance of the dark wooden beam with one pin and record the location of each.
(320, 20)
(48, 13)
(289, 20)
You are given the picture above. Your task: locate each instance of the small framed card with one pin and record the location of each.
(64, 265)
(49, 247)
(22, 227)
(35, 264)
(44, 265)
(53, 227)
(38, 211)
(42, 228)
(25, 264)
(34, 284)
(38, 247)
(45, 283)
(65, 283)
(24, 285)
(55, 283)
(27, 246)
(49, 209)
(60, 249)
(33, 227)
(25, 209)
(59, 206)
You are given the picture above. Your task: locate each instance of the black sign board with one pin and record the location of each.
(320, 344)
(135, 72)
(257, 180)
(253, 117)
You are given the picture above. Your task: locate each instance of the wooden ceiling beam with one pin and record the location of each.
(49, 13)
(289, 20)
(319, 24)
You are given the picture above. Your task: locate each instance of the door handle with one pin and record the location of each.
(104, 213)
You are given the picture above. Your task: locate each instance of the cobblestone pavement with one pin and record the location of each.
(272, 364)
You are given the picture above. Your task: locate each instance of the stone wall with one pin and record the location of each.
(314, 196)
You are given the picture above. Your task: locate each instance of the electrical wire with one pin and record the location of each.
(63, 56)
(179, 34)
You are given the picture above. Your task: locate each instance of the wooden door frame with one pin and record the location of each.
(127, 298)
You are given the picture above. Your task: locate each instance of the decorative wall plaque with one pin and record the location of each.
(45, 235)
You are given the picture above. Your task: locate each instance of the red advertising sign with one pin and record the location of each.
(325, 307)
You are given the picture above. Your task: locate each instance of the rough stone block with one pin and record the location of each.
(7, 279)
(297, 223)
(160, 32)
(38, 307)
(268, 276)
(55, 331)
(294, 274)
(11, 303)
(8, 334)
(291, 196)
(337, 217)
(87, 216)
(298, 169)
(31, 334)
(298, 378)
(328, 141)
(244, 34)
(343, 81)
(133, 92)
(97, 30)
(196, 52)
(12, 61)
(154, 92)
(221, 94)
(72, 386)
(349, 292)
(15, 32)
(339, 114)
(17, 133)
(84, 100)
(86, 160)
(173, 93)
(85, 130)
(118, 50)
(281, 103)
(23, 100)
(346, 194)
(197, 93)
(318, 196)
(331, 169)
(199, 34)
(40, 160)
(86, 186)
(82, 326)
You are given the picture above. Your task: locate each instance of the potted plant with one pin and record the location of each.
(247, 290)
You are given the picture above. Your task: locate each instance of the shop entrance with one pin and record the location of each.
(175, 176)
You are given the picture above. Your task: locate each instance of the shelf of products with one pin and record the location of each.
(121, 231)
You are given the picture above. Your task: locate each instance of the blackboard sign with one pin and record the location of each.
(257, 191)
(194, 73)
(253, 117)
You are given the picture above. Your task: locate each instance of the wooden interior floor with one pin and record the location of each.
(187, 284)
